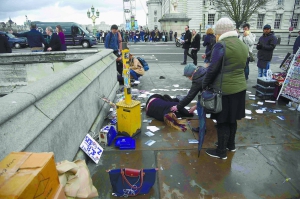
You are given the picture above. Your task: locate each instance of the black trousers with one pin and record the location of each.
(194, 56)
(185, 53)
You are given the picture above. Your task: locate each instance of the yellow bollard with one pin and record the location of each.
(128, 111)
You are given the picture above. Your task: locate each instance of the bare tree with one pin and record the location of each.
(239, 10)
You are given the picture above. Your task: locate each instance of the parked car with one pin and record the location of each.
(14, 41)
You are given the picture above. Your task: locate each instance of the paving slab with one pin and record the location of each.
(267, 151)
(184, 175)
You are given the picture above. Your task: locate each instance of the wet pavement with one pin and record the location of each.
(265, 165)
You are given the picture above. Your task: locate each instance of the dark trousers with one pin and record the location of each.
(247, 70)
(226, 136)
(194, 56)
(185, 53)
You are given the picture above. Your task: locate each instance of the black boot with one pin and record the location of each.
(223, 136)
(231, 140)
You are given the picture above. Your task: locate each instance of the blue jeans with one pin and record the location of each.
(134, 75)
(142, 37)
(263, 71)
(246, 70)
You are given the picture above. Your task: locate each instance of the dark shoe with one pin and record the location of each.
(213, 153)
(196, 129)
(162, 77)
(183, 63)
(254, 86)
(232, 149)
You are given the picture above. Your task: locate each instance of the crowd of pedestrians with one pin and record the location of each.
(140, 35)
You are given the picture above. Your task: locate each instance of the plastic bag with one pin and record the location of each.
(269, 75)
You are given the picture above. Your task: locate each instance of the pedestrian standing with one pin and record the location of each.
(296, 44)
(186, 45)
(4, 45)
(35, 39)
(171, 35)
(142, 35)
(233, 85)
(209, 42)
(265, 46)
(53, 41)
(61, 35)
(195, 46)
(175, 36)
(249, 39)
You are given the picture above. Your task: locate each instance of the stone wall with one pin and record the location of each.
(56, 112)
(21, 69)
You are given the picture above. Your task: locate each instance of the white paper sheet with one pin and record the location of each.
(152, 128)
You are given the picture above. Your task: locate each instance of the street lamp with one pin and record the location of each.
(93, 17)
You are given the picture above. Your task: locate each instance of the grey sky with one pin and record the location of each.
(111, 11)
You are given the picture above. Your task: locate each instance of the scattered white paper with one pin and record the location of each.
(179, 118)
(194, 101)
(292, 109)
(248, 117)
(252, 98)
(270, 101)
(248, 111)
(193, 141)
(260, 103)
(143, 104)
(259, 111)
(176, 85)
(251, 95)
(248, 91)
(142, 95)
(207, 115)
(281, 117)
(136, 82)
(111, 109)
(187, 107)
(147, 121)
(150, 142)
(215, 121)
(149, 133)
(152, 128)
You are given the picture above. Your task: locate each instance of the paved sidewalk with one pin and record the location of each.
(265, 165)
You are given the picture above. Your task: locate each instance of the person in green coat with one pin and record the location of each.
(233, 84)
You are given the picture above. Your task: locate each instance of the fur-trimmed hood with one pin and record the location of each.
(228, 34)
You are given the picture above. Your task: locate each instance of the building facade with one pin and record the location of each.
(282, 15)
(154, 14)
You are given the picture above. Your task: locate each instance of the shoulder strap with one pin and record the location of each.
(223, 62)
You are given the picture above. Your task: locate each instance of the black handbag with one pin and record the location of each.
(211, 99)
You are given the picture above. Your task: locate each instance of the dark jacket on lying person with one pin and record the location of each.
(161, 105)
(197, 79)
(54, 43)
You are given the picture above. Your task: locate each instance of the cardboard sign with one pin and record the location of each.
(91, 148)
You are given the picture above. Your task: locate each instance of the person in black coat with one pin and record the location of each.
(195, 45)
(196, 75)
(53, 41)
(296, 44)
(4, 45)
(186, 44)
